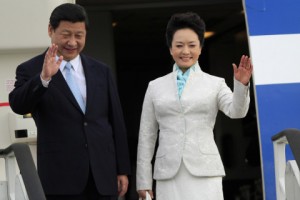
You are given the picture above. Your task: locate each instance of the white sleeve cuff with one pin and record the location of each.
(45, 83)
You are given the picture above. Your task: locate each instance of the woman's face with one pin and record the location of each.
(185, 48)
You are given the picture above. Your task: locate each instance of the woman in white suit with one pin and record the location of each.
(180, 110)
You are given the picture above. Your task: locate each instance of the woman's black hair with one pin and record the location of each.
(189, 20)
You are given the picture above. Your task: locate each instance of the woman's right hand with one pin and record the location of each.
(142, 194)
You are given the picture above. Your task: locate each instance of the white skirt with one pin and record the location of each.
(185, 186)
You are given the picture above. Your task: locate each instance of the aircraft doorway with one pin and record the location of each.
(141, 55)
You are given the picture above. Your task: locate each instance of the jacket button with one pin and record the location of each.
(85, 123)
(86, 146)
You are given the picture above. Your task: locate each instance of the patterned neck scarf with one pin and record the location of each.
(182, 78)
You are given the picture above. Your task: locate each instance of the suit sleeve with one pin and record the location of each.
(146, 145)
(236, 104)
(120, 137)
(27, 92)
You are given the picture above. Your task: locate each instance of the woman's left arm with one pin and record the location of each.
(243, 72)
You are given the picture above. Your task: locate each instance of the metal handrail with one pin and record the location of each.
(27, 169)
(293, 138)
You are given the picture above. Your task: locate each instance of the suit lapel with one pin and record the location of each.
(60, 83)
(174, 84)
(90, 81)
(174, 91)
(194, 74)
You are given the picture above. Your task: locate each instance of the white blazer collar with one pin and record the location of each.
(196, 67)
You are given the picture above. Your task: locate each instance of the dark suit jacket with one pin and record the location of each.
(69, 142)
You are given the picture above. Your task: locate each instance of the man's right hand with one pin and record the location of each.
(51, 66)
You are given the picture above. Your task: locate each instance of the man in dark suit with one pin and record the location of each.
(82, 152)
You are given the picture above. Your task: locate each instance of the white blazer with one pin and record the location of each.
(185, 125)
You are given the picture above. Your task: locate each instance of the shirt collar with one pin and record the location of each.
(75, 63)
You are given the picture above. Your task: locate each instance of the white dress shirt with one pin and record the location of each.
(77, 73)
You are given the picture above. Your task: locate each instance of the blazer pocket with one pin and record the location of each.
(209, 148)
(159, 164)
(160, 153)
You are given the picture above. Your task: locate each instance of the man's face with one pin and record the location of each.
(69, 37)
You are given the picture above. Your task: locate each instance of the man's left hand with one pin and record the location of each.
(122, 184)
